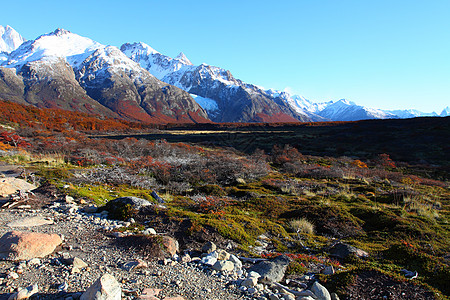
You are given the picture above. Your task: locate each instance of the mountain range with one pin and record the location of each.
(62, 69)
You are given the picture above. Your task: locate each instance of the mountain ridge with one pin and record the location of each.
(121, 88)
(65, 70)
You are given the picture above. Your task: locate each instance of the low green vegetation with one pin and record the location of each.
(300, 203)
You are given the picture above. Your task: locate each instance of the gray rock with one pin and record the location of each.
(105, 288)
(222, 254)
(320, 291)
(329, 270)
(273, 270)
(79, 263)
(288, 297)
(273, 297)
(25, 293)
(90, 209)
(135, 202)
(209, 247)
(149, 231)
(334, 296)
(250, 282)
(16, 245)
(236, 261)
(210, 259)
(223, 265)
(29, 222)
(343, 250)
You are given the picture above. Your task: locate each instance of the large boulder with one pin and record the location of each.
(273, 270)
(171, 245)
(343, 251)
(320, 291)
(11, 185)
(105, 288)
(17, 245)
(124, 208)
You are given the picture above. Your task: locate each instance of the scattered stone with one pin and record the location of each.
(250, 282)
(10, 185)
(135, 202)
(209, 247)
(274, 297)
(137, 264)
(90, 209)
(222, 254)
(334, 296)
(288, 297)
(149, 231)
(13, 275)
(343, 250)
(236, 261)
(185, 258)
(223, 265)
(157, 197)
(25, 293)
(320, 291)
(273, 270)
(150, 294)
(171, 245)
(33, 262)
(329, 270)
(30, 222)
(174, 298)
(105, 288)
(63, 287)
(16, 245)
(79, 263)
(69, 199)
(210, 259)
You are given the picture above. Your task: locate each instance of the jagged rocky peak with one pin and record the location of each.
(181, 57)
(60, 32)
(10, 39)
(139, 48)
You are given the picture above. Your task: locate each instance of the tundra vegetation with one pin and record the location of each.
(397, 211)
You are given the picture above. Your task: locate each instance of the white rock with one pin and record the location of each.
(223, 265)
(250, 282)
(29, 222)
(288, 297)
(254, 274)
(34, 261)
(25, 293)
(105, 288)
(210, 259)
(236, 261)
(320, 291)
(149, 231)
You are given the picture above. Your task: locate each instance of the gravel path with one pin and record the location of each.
(85, 239)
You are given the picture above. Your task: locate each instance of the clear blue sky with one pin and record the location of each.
(387, 54)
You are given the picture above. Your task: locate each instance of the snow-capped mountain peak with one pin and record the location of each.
(10, 39)
(181, 57)
(60, 44)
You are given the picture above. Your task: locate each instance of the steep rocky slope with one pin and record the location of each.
(64, 70)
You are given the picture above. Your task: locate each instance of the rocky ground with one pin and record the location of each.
(93, 246)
